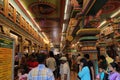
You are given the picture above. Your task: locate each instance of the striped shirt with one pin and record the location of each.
(41, 73)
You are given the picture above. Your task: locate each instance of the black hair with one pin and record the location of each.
(87, 56)
(84, 61)
(101, 66)
(79, 55)
(115, 65)
(102, 57)
(51, 53)
(41, 57)
(22, 71)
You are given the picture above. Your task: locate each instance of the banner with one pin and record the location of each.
(6, 58)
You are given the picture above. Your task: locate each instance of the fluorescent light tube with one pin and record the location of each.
(102, 23)
(116, 13)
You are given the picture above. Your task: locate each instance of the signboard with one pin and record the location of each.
(6, 58)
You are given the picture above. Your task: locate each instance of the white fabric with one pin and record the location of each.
(64, 69)
(63, 58)
(51, 63)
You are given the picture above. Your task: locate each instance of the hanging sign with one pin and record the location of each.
(6, 58)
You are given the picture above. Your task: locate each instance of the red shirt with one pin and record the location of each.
(32, 64)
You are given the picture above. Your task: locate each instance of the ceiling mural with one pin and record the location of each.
(110, 6)
(48, 14)
(42, 8)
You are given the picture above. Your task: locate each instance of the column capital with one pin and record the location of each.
(6, 30)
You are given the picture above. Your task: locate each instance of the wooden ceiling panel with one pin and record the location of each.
(48, 14)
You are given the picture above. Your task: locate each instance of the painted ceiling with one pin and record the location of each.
(48, 14)
(97, 14)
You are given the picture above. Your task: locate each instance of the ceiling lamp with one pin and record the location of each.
(66, 8)
(66, 4)
(102, 23)
(64, 27)
(115, 14)
(46, 41)
(45, 37)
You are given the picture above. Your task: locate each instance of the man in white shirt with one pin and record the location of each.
(64, 69)
(51, 62)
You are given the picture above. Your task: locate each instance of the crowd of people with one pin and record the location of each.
(41, 66)
(45, 66)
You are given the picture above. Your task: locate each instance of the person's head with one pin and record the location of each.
(102, 57)
(63, 60)
(83, 62)
(21, 72)
(41, 58)
(79, 55)
(51, 54)
(16, 53)
(113, 67)
(117, 58)
(87, 56)
(101, 68)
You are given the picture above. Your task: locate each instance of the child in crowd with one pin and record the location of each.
(101, 74)
(22, 75)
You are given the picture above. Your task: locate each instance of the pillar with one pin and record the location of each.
(30, 47)
(20, 43)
